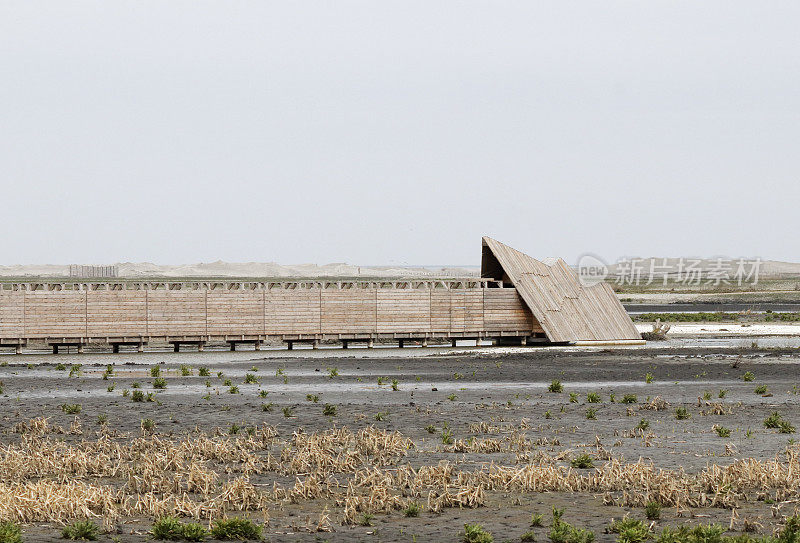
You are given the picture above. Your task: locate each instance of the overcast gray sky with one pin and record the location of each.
(397, 132)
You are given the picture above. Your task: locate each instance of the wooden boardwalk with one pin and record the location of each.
(517, 298)
(138, 313)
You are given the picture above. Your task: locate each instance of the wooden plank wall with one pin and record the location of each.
(55, 313)
(176, 312)
(12, 314)
(293, 311)
(503, 309)
(223, 312)
(124, 311)
(233, 312)
(351, 311)
(404, 311)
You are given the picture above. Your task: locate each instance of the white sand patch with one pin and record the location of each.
(727, 329)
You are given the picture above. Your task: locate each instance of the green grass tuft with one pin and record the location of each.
(167, 529)
(81, 530)
(235, 529)
(583, 461)
(447, 436)
(10, 533)
(776, 421)
(171, 529)
(722, 431)
(413, 509)
(563, 532)
(71, 409)
(652, 510)
(630, 530)
(474, 533)
(193, 531)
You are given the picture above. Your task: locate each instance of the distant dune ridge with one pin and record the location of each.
(133, 270)
(249, 269)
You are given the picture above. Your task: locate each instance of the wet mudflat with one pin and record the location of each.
(342, 448)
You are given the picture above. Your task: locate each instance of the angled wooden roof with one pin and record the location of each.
(567, 310)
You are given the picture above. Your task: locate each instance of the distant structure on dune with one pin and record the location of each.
(77, 271)
(517, 299)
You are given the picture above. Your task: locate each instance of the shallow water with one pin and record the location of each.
(772, 342)
(212, 355)
(356, 392)
(634, 308)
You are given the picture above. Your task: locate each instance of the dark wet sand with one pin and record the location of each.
(494, 388)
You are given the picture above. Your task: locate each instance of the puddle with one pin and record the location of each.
(216, 356)
(352, 390)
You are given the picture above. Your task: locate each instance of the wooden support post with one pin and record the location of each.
(18, 349)
(290, 345)
(176, 347)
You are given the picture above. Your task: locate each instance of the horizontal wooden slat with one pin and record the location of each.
(257, 312)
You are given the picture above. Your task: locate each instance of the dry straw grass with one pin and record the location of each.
(513, 443)
(205, 476)
(656, 404)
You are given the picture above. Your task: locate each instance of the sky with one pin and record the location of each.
(397, 132)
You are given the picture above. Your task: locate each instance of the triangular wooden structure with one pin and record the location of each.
(568, 311)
